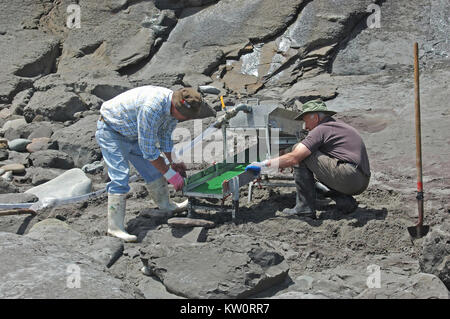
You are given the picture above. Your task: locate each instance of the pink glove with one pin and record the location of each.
(174, 178)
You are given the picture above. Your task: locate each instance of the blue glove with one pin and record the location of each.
(256, 167)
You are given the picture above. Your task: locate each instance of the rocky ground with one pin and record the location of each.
(53, 80)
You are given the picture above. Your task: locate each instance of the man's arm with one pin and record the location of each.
(160, 165)
(180, 167)
(298, 154)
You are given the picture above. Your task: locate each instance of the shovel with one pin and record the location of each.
(419, 230)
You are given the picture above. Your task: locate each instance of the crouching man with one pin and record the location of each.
(136, 126)
(332, 151)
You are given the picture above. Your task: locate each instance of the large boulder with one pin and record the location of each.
(236, 267)
(32, 268)
(78, 141)
(56, 104)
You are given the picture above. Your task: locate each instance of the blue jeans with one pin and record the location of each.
(117, 151)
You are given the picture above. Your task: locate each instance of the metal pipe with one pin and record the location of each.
(232, 113)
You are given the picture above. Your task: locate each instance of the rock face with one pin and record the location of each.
(435, 257)
(54, 79)
(235, 267)
(33, 268)
(194, 42)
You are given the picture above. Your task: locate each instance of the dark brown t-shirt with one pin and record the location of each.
(339, 140)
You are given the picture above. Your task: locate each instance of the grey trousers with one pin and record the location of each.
(342, 177)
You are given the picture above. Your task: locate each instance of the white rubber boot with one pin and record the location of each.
(116, 217)
(159, 192)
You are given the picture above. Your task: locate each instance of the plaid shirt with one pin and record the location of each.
(143, 114)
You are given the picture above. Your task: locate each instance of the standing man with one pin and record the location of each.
(136, 126)
(332, 151)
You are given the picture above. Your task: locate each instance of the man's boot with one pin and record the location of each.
(159, 192)
(116, 217)
(306, 193)
(346, 204)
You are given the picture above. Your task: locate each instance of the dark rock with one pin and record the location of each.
(56, 104)
(78, 141)
(51, 158)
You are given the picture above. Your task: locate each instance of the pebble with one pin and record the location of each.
(209, 89)
(19, 144)
(38, 144)
(3, 143)
(14, 168)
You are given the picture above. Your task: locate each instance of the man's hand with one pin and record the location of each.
(180, 168)
(256, 167)
(175, 179)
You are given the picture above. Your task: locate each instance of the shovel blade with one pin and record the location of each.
(418, 231)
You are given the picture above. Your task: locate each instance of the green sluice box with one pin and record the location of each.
(209, 182)
(214, 185)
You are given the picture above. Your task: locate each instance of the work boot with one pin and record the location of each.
(346, 204)
(116, 217)
(159, 192)
(306, 193)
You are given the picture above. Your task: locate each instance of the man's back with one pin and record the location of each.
(339, 140)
